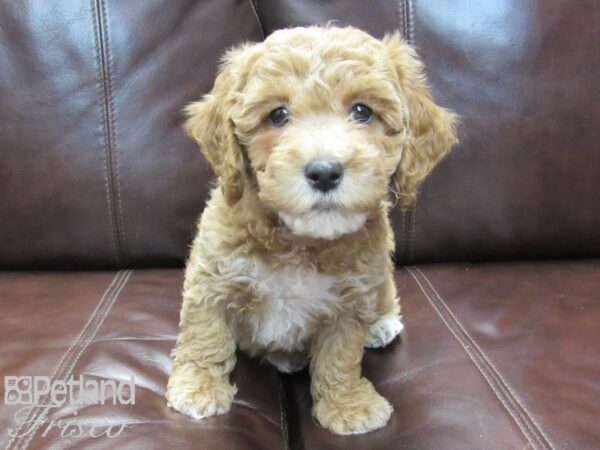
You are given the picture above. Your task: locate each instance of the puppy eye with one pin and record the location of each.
(279, 117)
(361, 113)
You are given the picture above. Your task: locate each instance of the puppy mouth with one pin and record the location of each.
(325, 205)
(324, 222)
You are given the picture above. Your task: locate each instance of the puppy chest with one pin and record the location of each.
(291, 301)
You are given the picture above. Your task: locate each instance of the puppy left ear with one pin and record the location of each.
(430, 128)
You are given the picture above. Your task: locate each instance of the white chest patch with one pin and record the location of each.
(292, 298)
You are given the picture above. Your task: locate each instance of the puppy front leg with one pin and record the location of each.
(344, 401)
(388, 325)
(203, 358)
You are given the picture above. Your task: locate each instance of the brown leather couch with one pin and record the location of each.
(100, 189)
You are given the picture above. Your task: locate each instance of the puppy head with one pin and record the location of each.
(321, 123)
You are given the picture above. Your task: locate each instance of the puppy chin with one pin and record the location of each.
(324, 224)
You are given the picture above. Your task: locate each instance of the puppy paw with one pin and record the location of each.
(200, 399)
(384, 330)
(353, 412)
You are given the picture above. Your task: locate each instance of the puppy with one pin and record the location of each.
(308, 132)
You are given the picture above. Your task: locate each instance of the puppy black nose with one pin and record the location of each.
(324, 175)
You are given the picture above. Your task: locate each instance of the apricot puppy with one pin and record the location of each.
(310, 133)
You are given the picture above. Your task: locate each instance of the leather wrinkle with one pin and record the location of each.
(521, 416)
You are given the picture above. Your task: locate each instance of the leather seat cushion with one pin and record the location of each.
(112, 325)
(492, 356)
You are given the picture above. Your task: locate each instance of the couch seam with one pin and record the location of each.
(83, 340)
(113, 135)
(402, 241)
(520, 415)
(283, 418)
(410, 37)
(410, 22)
(109, 200)
(406, 22)
(111, 160)
(413, 232)
(255, 11)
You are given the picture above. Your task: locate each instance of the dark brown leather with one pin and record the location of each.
(492, 356)
(375, 16)
(523, 76)
(95, 170)
(113, 325)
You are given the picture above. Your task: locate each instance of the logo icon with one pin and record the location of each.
(18, 390)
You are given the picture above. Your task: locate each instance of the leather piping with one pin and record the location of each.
(408, 217)
(522, 418)
(255, 11)
(111, 162)
(67, 363)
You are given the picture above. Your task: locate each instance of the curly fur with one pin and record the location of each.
(278, 269)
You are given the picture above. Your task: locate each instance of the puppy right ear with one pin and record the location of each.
(210, 122)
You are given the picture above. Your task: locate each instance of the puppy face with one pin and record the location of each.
(321, 123)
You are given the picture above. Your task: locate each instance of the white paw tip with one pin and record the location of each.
(384, 330)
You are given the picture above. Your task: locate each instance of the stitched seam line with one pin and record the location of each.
(113, 134)
(528, 426)
(90, 333)
(534, 424)
(475, 360)
(410, 22)
(401, 17)
(62, 360)
(104, 61)
(107, 182)
(85, 338)
(255, 11)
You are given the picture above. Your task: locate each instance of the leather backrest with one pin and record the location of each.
(524, 183)
(95, 171)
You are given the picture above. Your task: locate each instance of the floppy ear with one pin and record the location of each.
(210, 122)
(430, 129)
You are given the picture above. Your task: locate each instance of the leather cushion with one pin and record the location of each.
(110, 326)
(95, 169)
(492, 356)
